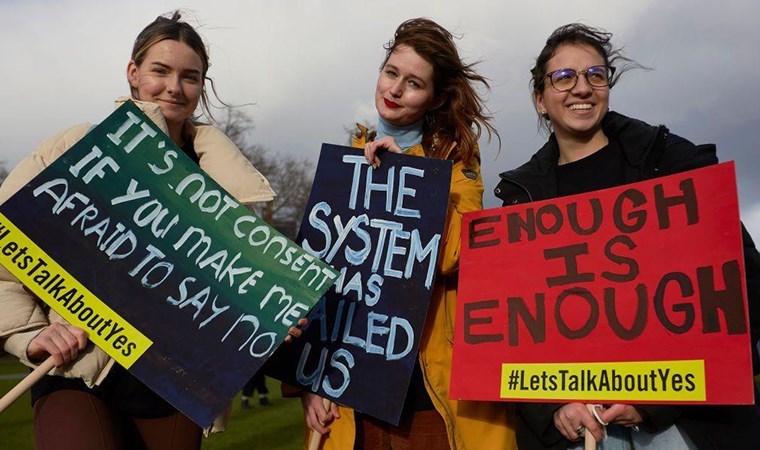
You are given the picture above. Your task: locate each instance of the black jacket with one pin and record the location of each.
(649, 152)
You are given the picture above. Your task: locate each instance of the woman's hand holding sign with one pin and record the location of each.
(296, 331)
(625, 415)
(574, 420)
(319, 412)
(61, 342)
(371, 149)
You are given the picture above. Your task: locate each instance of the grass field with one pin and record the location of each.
(275, 427)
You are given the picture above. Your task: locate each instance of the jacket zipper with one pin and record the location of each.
(651, 169)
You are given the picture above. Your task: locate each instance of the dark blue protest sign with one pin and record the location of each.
(382, 229)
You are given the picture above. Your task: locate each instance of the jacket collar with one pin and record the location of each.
(634, 136)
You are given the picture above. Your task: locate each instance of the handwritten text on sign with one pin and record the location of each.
(649, 273)
(382, 228)
(163, 249)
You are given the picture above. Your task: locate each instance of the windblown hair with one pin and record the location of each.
(172, 28)
(577, 33)
(463, 115)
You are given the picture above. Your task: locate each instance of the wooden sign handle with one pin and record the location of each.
(590, 442)
(315, 438)
(24, 385)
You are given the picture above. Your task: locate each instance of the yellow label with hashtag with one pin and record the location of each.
(68, 297)
(682, 381)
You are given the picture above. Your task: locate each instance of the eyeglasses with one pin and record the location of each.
(563, 80)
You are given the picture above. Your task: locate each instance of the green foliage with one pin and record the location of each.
(275, 427)
(16, 421)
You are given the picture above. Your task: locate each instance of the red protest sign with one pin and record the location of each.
(631, 294)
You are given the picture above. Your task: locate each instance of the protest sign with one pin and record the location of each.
(632, 294)
(128, 239)
(382, 229)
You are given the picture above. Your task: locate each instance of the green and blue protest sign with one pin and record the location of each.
(127, 238)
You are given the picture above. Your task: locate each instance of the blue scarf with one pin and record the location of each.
(406, 136)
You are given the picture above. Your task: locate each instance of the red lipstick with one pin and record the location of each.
(391, 104)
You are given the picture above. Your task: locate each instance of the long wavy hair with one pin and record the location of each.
(463, 115)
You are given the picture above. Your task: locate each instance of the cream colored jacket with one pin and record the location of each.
(24, 316)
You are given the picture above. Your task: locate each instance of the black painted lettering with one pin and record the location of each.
(593, 316)
(688, 199)
(634, 220)
(687, 309)
(591, 321)
(729, 300)
(630, 263)
(483, 232)
(469, 322)
(517, 311)
(596, 217)
(639, 319)
(516, 225)
(569, 254)
(555, 223)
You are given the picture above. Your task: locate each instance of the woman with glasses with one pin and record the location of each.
(592, 148)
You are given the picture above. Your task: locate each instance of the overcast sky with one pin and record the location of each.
(309, 67)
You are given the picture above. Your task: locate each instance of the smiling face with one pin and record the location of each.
(171, 75)
(575, 114)
(405, 90)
